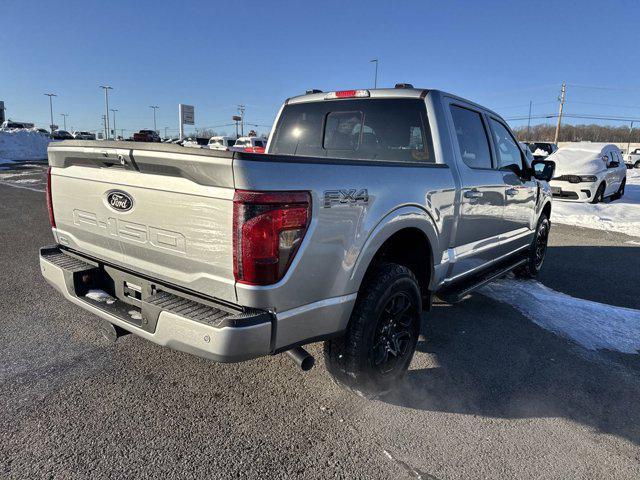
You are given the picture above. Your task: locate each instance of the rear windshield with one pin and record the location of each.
(372, 129)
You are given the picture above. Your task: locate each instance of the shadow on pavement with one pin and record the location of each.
(602, 274)
(494, 362)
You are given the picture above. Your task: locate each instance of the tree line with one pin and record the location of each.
(578, 133)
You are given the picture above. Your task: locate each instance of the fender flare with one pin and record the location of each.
(402, 218)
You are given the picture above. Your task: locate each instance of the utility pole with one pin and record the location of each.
(154, 107)
(375, 78)
(50, 95)
(529, 121)
(563, 93)
(64, 119)
(629, 142)
(115, 133)
(165, 132)
(106, 89)
(241, 109)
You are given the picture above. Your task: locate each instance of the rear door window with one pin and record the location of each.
(472, 137)
(372, 129)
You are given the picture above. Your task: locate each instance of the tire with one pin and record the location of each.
(385, 319)
(537, 251)
(620, 193)
(637, 164)
(599, 195)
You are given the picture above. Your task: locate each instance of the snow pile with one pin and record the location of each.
(540, 153)
(621, 215)
(581, 160)
(591, 324)
(23, 145)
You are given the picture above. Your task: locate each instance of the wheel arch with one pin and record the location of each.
(407, 236)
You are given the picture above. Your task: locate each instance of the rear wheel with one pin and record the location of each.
(620, 191)
(537, 251)
(599, 196)
(637, 164)
(381, 338)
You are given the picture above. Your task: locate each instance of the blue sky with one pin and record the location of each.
(216, 55)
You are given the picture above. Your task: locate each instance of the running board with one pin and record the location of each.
(455, 292)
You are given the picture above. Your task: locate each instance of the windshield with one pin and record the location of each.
(380, 129)
(243, 143)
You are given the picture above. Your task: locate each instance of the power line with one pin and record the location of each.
(577, 115)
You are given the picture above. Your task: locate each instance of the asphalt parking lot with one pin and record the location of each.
(489, 394)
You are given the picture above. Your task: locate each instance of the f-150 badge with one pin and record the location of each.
(350, 196)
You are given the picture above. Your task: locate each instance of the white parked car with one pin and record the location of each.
(196, 142)
(632, 159)
(221, 143)
(588, 172)
(9, 125)
(82, 135)
(255, 144)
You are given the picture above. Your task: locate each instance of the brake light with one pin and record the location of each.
(347, 94)
(254, 149)
(52, 218)
(268, 228)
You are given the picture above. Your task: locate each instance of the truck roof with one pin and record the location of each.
(389, 93)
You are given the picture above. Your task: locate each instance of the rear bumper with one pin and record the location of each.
(161, 315)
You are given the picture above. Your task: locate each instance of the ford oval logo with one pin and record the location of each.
(120, 201)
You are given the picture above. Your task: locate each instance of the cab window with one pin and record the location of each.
(507, 151)
(472, 137)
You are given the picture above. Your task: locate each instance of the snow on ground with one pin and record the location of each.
(620, 215)
(23, 145)
(591, 324)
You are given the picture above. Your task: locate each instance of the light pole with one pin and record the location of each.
(241, 109)
(106, 89)
(165, 132)
(154, 107)
(115, 133)
(51, 95)
(629, 142)
(375, 78)
(64, 119)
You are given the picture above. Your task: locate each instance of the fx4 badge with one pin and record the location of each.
(350, 196)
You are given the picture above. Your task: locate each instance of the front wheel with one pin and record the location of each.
(599, 196)
(381, 338)
(637, 164)
(537, 251)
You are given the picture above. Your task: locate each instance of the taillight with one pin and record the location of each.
(268, 228)
(52, 218)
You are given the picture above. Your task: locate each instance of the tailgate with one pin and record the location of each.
(160, 210)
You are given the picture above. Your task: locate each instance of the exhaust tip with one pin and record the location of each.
(302, 358)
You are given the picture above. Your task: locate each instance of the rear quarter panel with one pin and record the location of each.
(343, 238)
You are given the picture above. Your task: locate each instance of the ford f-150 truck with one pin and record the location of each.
(366, 204)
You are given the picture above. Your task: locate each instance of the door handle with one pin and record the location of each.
(512, 192)
(473, 194)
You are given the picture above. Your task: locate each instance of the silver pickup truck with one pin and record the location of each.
(366, 204)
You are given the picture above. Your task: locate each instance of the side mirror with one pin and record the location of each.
(613, 164)
(543, 169)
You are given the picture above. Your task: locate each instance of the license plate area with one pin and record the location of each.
(556, 190)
